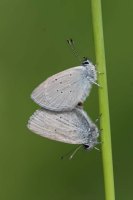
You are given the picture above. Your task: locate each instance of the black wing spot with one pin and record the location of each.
(60, 82)
(56, 79)
(57, 90)
(55, 130)
(70, 91)
(70, 74)
(61, 92)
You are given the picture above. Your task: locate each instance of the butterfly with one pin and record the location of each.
(73, 127)
(64, 90)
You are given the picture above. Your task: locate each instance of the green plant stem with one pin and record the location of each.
(103, 100)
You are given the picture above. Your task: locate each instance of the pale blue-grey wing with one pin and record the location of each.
(63, 91)
(68, 127)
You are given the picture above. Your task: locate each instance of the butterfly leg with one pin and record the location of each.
(96, 84)
(98, 118)
(98, 71)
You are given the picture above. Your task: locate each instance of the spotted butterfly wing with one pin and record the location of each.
(73, 127)
(64, 90)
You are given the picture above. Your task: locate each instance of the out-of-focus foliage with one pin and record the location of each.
(32, 47)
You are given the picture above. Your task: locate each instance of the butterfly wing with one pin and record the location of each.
(63, 91)
(68, 127)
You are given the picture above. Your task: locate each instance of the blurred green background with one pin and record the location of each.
(32, 47)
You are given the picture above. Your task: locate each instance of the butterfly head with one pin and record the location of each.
(91, 75)
(85, 61)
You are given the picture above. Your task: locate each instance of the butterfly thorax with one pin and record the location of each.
(91, 71)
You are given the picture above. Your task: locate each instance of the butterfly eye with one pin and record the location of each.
(86, 62)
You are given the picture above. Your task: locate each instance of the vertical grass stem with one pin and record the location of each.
(103, 100)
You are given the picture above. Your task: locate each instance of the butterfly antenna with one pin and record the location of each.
(96, 148)
(72, 46)
(75, 152)
(64, 156)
